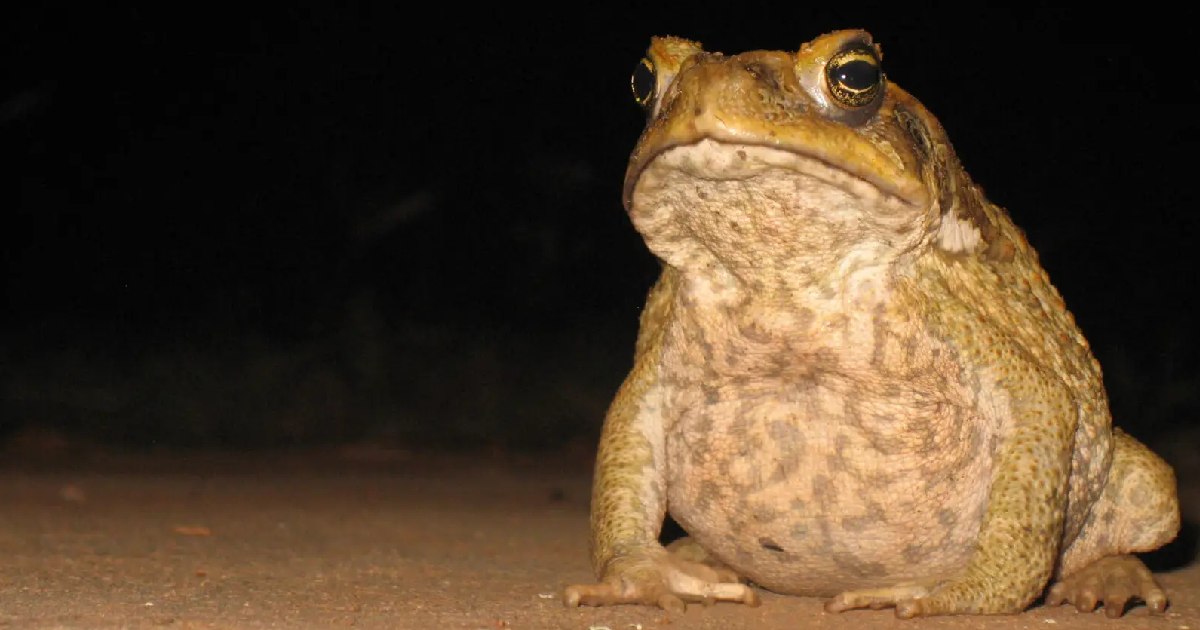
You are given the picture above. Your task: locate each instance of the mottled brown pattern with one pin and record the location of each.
(853, 378)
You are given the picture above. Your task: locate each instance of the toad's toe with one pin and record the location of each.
(1114, 582)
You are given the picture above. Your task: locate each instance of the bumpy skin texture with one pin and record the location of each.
(853, 378)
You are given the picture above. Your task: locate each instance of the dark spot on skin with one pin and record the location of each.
(855, 524)
(804, 318)
(974, 435)
(752, 332)
(880, 479)
(764, 514)
(703, 425)
(826, 534)
(769, 545)
(805, 381)
(742, 423)
(1001, 250)
(698, 111)
(852, 565)
(723, 468)
(914, 554)
(753, 445)
(929, 443)
(822, 491)
(947, 518)
(779, 475)
(781, 362)
(827, 359)
(852, 413)
(741, 155)
(708, 492)
(837, 464)
(788, 455)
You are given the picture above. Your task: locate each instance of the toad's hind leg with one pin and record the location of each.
(1137, 511)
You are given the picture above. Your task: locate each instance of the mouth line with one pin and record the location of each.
(882, 188)
(802, 162)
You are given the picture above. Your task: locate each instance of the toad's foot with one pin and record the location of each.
(657, 578)
(900, 596)
(924, 598)
(1112, 581)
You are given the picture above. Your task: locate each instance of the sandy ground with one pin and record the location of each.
(360, 539)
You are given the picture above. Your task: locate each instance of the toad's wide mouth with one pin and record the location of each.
(710, 161)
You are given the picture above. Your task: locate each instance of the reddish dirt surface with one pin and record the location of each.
(366, 538)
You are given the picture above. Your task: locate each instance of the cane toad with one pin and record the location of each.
(852, 379)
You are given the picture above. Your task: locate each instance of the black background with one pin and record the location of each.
(258, 226)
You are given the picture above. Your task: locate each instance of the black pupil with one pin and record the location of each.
(643, 82)
(857, 74)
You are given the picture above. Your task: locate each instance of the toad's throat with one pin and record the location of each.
(759, 208)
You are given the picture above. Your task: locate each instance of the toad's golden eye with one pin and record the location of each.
(643, 83)
(854, 76)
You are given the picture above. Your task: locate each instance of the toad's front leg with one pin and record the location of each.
(629, 501)
(628, 506)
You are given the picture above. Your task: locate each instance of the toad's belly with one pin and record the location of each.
(824, 494)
